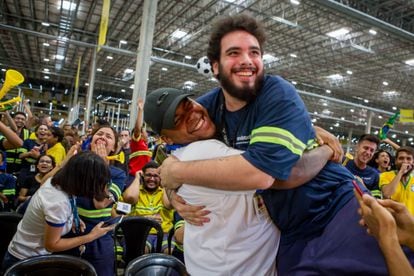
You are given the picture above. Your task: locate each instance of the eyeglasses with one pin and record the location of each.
(149, 175)
(45, 161)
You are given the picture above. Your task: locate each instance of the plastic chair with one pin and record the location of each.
(62, 265)
(135, 231)
(8, 226)
(156, 264)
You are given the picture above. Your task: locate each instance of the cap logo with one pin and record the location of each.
(162, 98)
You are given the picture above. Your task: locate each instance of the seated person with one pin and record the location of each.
(150, 200)
(44, 165)
(7, 187)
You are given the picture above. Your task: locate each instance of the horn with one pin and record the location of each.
(7, 105)
(120, 157)
(13, 78)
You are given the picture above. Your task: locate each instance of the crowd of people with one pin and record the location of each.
(247, 183)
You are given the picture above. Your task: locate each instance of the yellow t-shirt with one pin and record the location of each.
(58, 152)
(404, 192)
(151, 204)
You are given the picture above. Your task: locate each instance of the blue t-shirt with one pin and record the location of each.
(274, 130)
(369, 175)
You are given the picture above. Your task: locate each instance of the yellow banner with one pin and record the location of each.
(78, 74)
(407, 115)
(104, 23)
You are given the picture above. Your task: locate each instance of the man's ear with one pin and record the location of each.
(166, 139)
(215, 68)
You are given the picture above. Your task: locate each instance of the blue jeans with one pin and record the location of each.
(8, 261)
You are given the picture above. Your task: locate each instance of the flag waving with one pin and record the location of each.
(387, 126)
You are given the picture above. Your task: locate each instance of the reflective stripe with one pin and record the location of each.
(7, 192)
(179, 224)
(115, 189)
(311, 144)
(376, 193)
(101, 213)
(155, 209)
(140, 153)
(13, 161)
(278, 136)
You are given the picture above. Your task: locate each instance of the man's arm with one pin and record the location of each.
(138, 122)
(236, 173)
(389, 189)
(130, 195)
(12, 140)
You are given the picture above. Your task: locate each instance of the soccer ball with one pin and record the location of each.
(204, 67)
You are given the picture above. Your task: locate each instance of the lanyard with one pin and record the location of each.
(76, 220)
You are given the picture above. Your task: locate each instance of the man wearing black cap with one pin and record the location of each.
(241, 238)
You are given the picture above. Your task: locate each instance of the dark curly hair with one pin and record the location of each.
(228, 24)
(86, 174)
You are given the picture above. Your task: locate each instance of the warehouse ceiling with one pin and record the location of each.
(350, 60)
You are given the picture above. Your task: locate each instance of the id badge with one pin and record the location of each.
(32, 168)
(261, 208)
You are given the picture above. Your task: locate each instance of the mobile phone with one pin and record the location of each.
(112, 221)
(357, 188)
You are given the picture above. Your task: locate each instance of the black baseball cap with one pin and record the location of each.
(160, 106)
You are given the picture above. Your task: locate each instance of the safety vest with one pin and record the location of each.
(12, 155)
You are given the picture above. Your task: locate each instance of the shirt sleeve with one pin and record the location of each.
(282, 129)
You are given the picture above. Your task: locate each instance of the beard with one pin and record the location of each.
(245, 93)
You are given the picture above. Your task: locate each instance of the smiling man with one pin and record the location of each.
(264, 116)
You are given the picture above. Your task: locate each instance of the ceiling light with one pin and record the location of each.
(366, 101)
(122, 90)
(164, 69)
(392, 93)
(294, 2)
(394, 108)
(45, 24)
(46, 77)
(314, 120)
(46, 59)
(59, 57)
(123, 42)
(46, 70)
(339, 34)
(373, 32)
(379, 117)
(328, 91)
(385, 83)
(352, 110)
(187, 57)
(68, 5)
(293, 55)
(4, 70)
(268, 58)
(284, 21)
(406, 132)
(342, 118)
(294, 82)
(362, 48)
(46, 44)
(325, 104)
(331, 128)
(128, 71)
(410, 139)
(178, 34)
(131, 86)
(109, 57)
(335, 77)
(409, 62)
(336, 124)
(86, 83)
(394, 136)
(99, 69)
(349, 72)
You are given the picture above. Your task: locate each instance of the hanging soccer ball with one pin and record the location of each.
(204, 67)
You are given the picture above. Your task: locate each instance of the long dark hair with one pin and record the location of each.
(86, 174)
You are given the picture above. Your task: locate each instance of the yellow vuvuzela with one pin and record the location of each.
(13, 78)
(120, 157)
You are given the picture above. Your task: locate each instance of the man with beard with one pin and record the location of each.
(265, 116)
(399, 184)
(149, 200)
(365, 149)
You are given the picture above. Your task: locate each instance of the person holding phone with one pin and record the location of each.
(399, 184)
(51, 214)
(391, 224)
